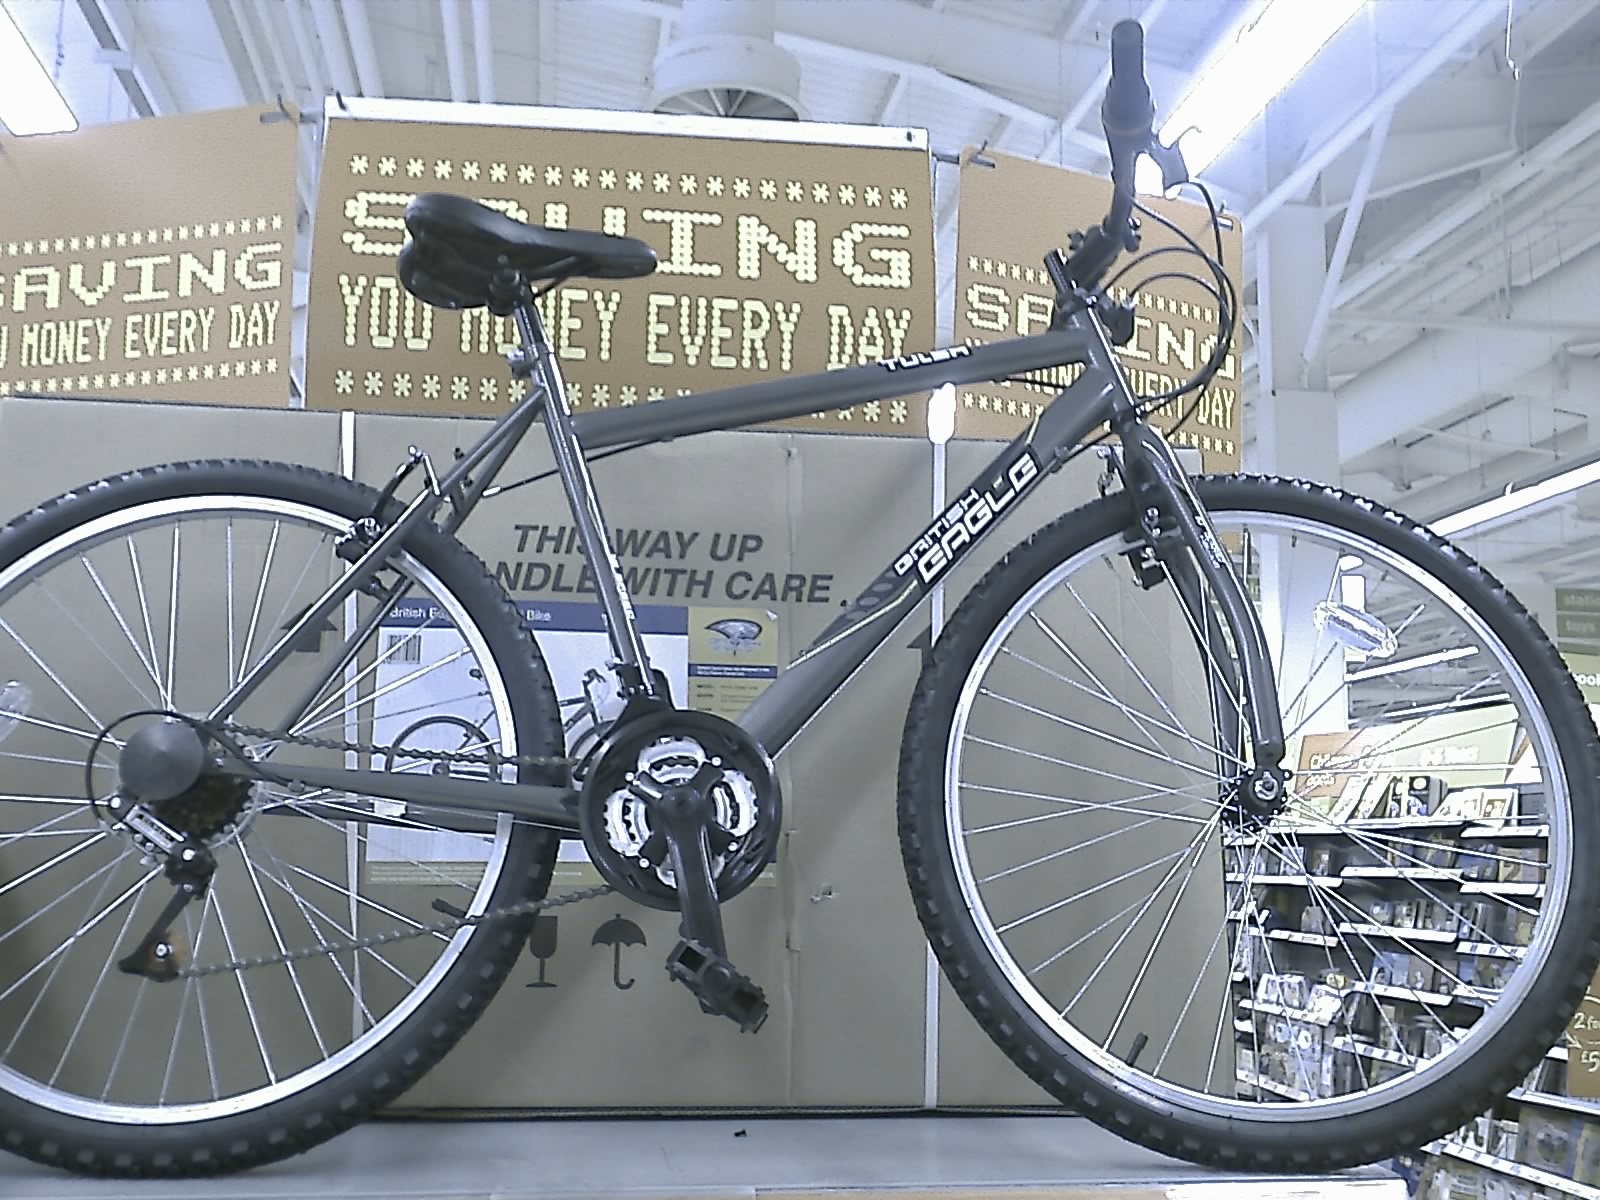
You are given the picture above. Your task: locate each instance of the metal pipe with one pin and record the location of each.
(252, 50)
(331, 34)
(483, 50)
(455, 58)
(358, 24)
(307, 52)
(280, 61)
(305, 169)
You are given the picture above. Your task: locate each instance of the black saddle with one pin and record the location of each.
(459, 246)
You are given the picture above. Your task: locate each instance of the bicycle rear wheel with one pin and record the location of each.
(1298, 987)
(156, 591)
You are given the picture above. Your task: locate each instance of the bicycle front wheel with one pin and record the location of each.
(1310, 984)
(155, 592)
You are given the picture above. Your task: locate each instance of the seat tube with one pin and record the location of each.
(632, 661)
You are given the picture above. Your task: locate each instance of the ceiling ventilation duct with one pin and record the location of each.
(724, 63)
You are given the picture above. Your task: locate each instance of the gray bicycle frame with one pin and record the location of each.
(1100, 395)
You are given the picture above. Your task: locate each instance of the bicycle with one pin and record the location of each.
(198, 793)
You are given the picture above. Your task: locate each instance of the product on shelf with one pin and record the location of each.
(1481, 921)
(1520, 864)
(1548, 1140)
(1442, 916)
(1440, 851)
(1322, 861)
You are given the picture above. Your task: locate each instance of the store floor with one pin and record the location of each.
(1026, 1157)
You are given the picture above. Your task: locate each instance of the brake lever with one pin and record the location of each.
(1174, 170)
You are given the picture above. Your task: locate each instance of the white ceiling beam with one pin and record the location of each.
(1404, 253)
(1413, 157)
(548, 52)
(1444, 369)
(269, 34)
(1474, 263)
(455, 56)
(330, 33)
(1399, 180)
(310, 60)
(252, 48)
(1474, 17)
(1483, 324)
(1575, 387)
(358, 23)
(483, 50)
(112, 23)
(893, 98)
(1377, 138)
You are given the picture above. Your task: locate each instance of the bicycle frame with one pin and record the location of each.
(1099, 396)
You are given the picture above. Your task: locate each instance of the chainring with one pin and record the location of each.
(669, 747)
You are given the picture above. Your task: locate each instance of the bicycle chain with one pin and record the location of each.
(371, 941)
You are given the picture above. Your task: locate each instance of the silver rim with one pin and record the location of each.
(1124, 744)
(137, 575)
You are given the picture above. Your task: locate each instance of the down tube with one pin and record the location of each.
(811, 681)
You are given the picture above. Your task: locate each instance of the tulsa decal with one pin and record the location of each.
(937, 550)
(926, 358)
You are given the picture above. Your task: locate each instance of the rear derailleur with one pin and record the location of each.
(172, 805)
(158, 957)
(681, 811)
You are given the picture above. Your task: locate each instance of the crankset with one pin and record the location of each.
(681, 810)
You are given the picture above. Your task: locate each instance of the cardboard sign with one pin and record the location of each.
(150, 260)
(1015, 211)
(1583, 1046)
(777, 257)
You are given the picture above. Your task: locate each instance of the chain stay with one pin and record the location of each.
(519, 909)
(479, 758)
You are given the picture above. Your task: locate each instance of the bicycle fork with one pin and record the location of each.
(1243, 690)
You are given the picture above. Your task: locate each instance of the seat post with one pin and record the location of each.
(632, 661)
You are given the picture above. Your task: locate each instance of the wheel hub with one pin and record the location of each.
(1258, 795)
(167, 767)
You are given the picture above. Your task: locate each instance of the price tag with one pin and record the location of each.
(1583, 1047)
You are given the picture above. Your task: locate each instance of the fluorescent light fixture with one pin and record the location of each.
(1273, 45)
(1512, 502)
(942, 414)
(29, 99)
(1412, 664)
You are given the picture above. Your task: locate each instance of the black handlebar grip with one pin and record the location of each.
(1127, 108)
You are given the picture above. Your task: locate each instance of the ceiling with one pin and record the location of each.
(1450, 148)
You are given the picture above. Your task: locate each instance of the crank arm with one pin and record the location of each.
(687, 834)
(700, 959)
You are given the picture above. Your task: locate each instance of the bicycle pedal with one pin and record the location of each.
(721, 990)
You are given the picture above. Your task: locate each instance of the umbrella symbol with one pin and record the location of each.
(617, 933)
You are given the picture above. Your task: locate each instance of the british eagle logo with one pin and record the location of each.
(734, 635)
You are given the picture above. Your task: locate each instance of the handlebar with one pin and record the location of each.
(1127, 110)
(1127, 114)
